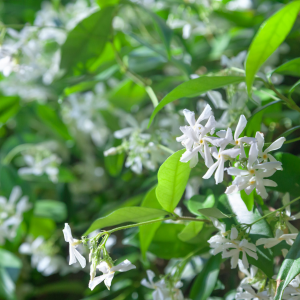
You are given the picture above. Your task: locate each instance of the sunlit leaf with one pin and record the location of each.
(269, 37)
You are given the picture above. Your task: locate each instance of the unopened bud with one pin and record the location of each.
(111, 151)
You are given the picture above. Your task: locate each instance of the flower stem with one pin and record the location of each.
(275, 211)
(174, 218)
(165, 148)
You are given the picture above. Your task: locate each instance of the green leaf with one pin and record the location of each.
(190, 230)
(147, 232)
(290, 131)
(172, 178)
(213, 212)
(248, 199)
(166, 243)
(289, 269)
(127, 215)
(87, 40)
(292, 89)
(288, 179)
(7, 286)
(9, 106)
(49, 117)
(234, 204)
(291, 67)
(127, 94)
(195, 87)
(269, 37)
(52, 209)
(206, 279)
(198, 202)
(11, 263)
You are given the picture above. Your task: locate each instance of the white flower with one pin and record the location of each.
(279, 237)
(222, 156)
(217, 241)
(217, 100)
(39, 167)
(251, 294)
(8, 65)
(288, 217)
(239, 246)
(161, 291)
(265, 155)
(109, 272)
(73, 244)
(254, 176)
(236, 62)
(250, 276)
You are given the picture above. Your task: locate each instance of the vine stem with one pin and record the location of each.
(135, 77)
(174, 218)
(275, 211)
(162, 147)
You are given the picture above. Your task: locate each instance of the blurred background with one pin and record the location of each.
(76, 93)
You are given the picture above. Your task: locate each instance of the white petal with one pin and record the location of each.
(103, 267)
(208, 159)
(231, 189)
(119, 134)
(235, 171)
(260, 189)
(80, 258)
(253, 152)
(194, 160)
(217, 100)
(275, 145)
(108, 280)
(231, 152)
(124, 266)
(268, 182)
(245, 260)
(207, 112)
(234, 233)
(219, 175)
(145, 283)
(72, 259)
(67, 233)
(211, 170)
(240, 127)
(221, 133)
(189, 116)
(15, 194)
(260, 141)
(268, 165)
(96, 281)
(234, 260)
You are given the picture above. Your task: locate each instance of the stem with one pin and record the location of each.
(291, 141)
(275, 211)
(175, 218)
(8, 158)
(290, 102)
(162, 147)
(17, 26)
(135, 77)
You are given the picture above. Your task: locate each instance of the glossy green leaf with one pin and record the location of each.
(290, 131)
(166, 243)
(41, 227)
(11, 263)
(54, 210)
(213, 212)
(288, 179)
(147, 232)
(292, 89)
(87, 40)
(190, 230)
(195, 87)
(269, 37)
(291, 67)
(7, 286)
(289, 269)
(248, 199)
(198, 202)
(127, 215)
(233, 203)
(172, 178)
(50, 118)
(207, 279)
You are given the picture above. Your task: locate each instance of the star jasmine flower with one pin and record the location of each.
(73, 244)
(250, 276)
(236, 61)
(109, 272)
(254, 176)
(222, 156)
(265, 155)
(279, 237)
(239, 246)
(161, 291)
(288, 217)
(251, 294)
(194, 125)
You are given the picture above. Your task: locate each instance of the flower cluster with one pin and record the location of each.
(231, 243)
(98, 257)
(163, 289)
(11, 213)
(250, 171)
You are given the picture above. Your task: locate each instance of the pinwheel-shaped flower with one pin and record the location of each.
(73, 244)
(109, 272)
(279, 237)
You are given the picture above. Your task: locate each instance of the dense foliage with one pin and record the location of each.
(163, 135)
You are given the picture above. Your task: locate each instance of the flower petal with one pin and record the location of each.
(189, 116)
(240, 127)
(15, 194)
(124, 266)
(96, 281)
(207, 112)
(211, 170)
(275, 145)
